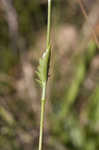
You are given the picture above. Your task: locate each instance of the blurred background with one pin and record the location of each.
(72, 108)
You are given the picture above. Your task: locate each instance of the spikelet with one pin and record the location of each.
(43, 68)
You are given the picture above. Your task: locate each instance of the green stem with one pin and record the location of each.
(49, 23)
(44, 85)
(42, 116)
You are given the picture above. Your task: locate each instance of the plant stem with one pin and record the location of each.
(49, 23)
(43, 99)
(42, 116)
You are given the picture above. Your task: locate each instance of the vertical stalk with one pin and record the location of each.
(49, 23)
(42, 116)
(43, 98)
